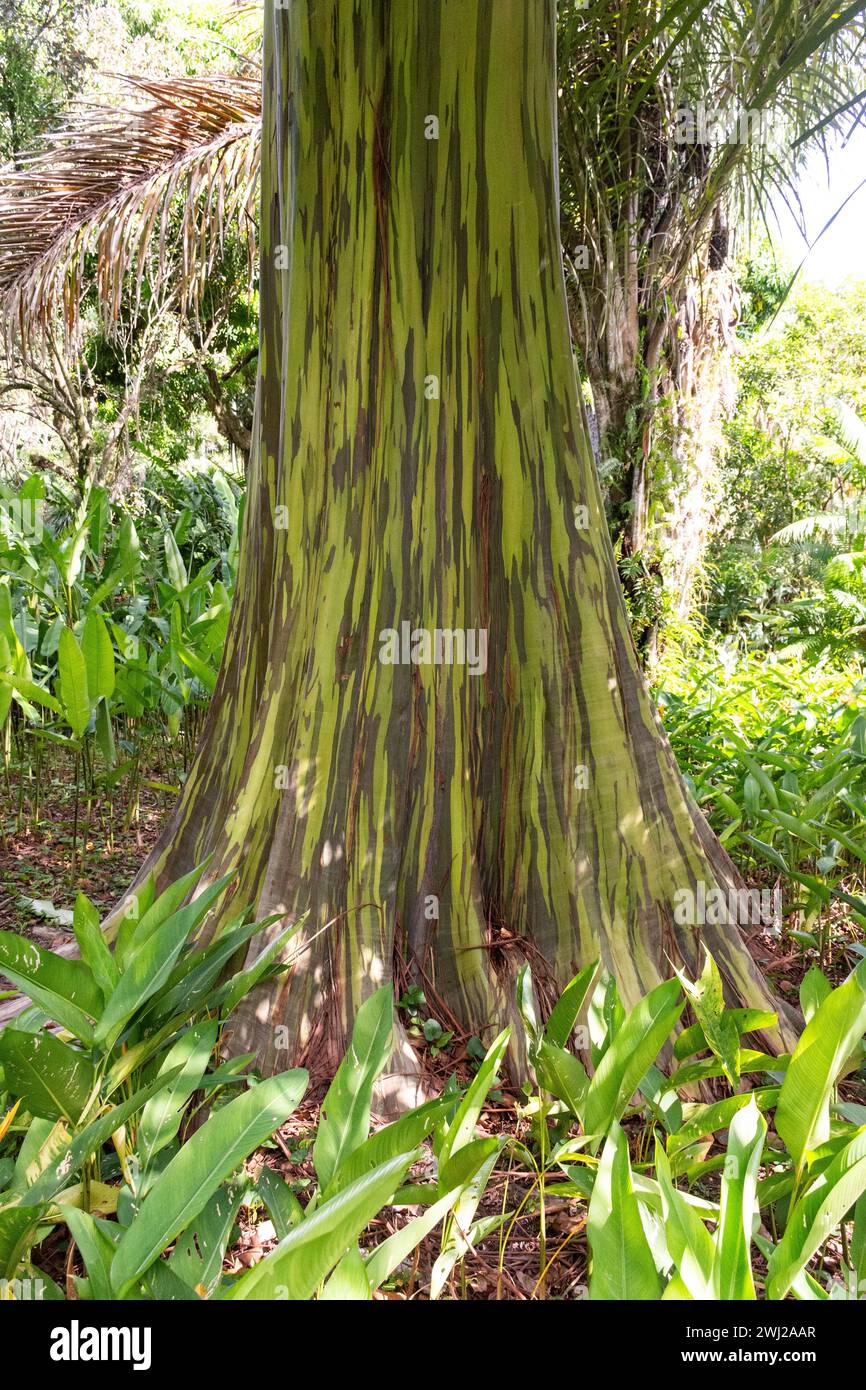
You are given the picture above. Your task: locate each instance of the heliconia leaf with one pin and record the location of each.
(732, 1269)
(160, 1119)
(719, 1029)
(65, 989)
(98, 652)
(635, 1047)
(174, 562)
(688, 1240)
(563, 1016)
(92, 945)
(296, 1267)
(623, 1268)
(563, 1075)
(54, 1080)
(149, 962)
(74, 693)
(827, 1041)
(345, 1115)
(208, 1157)
(349, 1282)
(197, 1257)
(816, 1213)
(814, 989)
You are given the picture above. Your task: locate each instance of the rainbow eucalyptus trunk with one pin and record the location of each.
(430, 729)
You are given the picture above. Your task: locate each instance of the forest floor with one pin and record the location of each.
(48, 857)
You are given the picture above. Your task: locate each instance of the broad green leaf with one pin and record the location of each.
(69, 1154)
(392, 1252)
(303, 1258)
(144, 912)
(54, 1080)
(174, 563)
(349, 1282)
(397, 1138)
(625, 1063)
(98, 656)
(197, 1257)
(96, 1243)
(284, 1207)
(688, 1240)
(563, 1075)
(161, 1116)
(623, 1268)
(91, 944)
(719, 1029)
(563, 1017)
(65, 989)
(73, 682)
(461, 1130)
(814, 989)
(344, 1120)
(149, 963)
(245, 980)
(828, 1040)
(208, 1157)
(732, 1268)
(815, 1215)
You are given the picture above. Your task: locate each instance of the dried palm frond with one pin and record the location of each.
(108, 185)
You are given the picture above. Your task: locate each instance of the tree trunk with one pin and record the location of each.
(420, 458)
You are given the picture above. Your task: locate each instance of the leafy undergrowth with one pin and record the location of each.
(655, 1153)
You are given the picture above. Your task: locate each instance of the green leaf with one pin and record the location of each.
(149, 964)
(73, 682)
(827, 1042)
(814, 989)
(208, 1157)
(54, 1080)
(174, 563)
(161, 1116)
(562, 1075)
(245, 980)
(397, 1138)
(719, 1029)
(105, 734)
(349, 1282)
(635, 1047)
(560, 1025)
(98, 653)
(732, 1269)
(623, 1268)
(197, 1257)
(67, 1156)
(303, 1258)
(92, 945)
(96, 1242)
(65, 989)
(284, 1207)
(462, 1128)
(688, 1240)
(344, 1120)
(815, 1214)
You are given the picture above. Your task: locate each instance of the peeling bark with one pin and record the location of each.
(540, 796)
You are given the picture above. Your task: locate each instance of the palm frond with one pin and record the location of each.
(106, 186)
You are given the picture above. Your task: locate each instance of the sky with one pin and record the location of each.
(841, 252)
